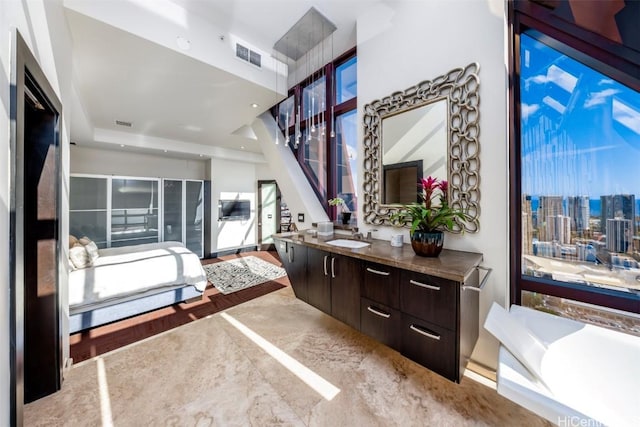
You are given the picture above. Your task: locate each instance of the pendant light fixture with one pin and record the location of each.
(312, 107)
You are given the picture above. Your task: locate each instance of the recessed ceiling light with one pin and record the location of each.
(165, 151)
(121, 145)
(254, 105)
(183, 43)
(242, 147)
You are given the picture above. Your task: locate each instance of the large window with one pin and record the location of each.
(325, 137)
(577, 148)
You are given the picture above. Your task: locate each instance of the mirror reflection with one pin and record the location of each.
(414, 145)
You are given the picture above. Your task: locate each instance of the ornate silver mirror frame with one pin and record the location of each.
(460, 88)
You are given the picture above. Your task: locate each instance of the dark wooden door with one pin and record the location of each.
(318, 279)
(346, 276)
(42, 348)
(297, 259)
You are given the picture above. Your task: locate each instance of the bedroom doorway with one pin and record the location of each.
(36, 351)
(268, 213)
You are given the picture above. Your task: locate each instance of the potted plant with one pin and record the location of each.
(346, 213)
(429, 218)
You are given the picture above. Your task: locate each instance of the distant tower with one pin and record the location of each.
(527, 226)
(550, 207)
(618, 234)
(559, 229)
(579, 213)
(618, 206)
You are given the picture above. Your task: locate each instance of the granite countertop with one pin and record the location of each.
(451, 264)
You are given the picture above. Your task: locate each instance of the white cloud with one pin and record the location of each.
(626, 115)
(605, 82)
(598, 98)
(526, 110)
(558, 76)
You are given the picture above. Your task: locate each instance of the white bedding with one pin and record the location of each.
(128, 271)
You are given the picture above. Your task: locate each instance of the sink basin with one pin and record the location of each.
(344, 243)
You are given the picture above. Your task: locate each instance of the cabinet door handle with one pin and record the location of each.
(325, 265)
(333, 268)
(291, 255)
(425, 333)
(378, 313)
(382, 273)
(424, 285)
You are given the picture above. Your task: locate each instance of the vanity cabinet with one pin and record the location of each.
(333, 282)
(379, 303)
(425, 308)
(294, 260)
(440, 321)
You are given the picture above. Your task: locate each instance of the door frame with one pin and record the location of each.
(270, 246)
(24, 62)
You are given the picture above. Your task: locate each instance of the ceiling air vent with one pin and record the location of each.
(123, 123)
(248, 55)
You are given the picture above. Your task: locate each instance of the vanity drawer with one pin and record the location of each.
(429, 298)
(429, 345)
(380, 322)
(381, 284)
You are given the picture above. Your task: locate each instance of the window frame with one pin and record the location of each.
(328, 72)
(607, 57)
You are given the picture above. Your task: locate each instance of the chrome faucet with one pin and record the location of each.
(355, 234)
(369, 237)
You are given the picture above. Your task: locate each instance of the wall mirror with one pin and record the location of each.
(431, 128)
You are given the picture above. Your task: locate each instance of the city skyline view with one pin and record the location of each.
(580, 174)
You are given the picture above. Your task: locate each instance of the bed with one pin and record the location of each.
(121, 282)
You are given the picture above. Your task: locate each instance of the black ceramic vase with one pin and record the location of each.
(427, 243)
(346, 217)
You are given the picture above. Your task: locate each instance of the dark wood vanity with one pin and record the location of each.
(425, 308)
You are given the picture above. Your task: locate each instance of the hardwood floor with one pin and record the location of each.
(87, 344)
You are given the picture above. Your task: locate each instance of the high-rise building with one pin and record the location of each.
(618, 206)
(527, 225)
(559, 229)
(579, 212)
(550, 207)
(618, 234)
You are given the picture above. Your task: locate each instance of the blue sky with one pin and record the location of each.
(580, 128)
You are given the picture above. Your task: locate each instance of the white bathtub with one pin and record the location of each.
(576, 374)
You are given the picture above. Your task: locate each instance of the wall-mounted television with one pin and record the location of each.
(234, 210)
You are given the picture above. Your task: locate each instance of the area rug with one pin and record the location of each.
(234, 275)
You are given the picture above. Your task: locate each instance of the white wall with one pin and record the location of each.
(407, 42)
(112, 162)
(43, 26)
(232, 180)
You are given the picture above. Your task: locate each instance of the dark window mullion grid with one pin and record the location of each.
(597, 56)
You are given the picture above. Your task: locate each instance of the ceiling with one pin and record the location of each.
(166, 94)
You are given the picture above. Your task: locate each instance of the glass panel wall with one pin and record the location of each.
(194, 214)
(134, 211)
(172, 214)
(88, 208)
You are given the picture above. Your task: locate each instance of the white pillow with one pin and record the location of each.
(92, 250)
(79, 257)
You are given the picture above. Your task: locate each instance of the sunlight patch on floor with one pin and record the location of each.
(313, 380)
(103, 389)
